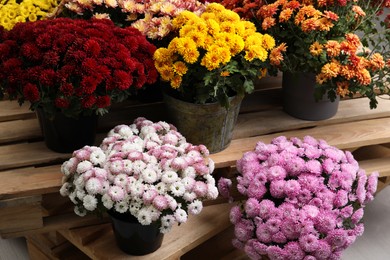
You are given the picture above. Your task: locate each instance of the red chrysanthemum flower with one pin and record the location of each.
(88, 101)
(103, 101)
(31, 93)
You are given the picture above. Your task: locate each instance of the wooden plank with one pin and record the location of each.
(19, 130)
(30, 181)
(10, 110)
(55, 223)
(35, 253)
(20, 214)
(211, 221)
(275, 120)
(342, 135)
(27, 154)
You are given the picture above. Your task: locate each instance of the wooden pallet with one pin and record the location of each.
(30, 204)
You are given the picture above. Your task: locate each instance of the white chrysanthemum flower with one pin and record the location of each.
(90, 202)
(84, 166)
(154, 213)
(188, 183)
(149, 175)
(212, 192)
(189, 196)
(209, 179)
(116, 193)
(100, 173)
(64, 190)
(80, 194)
(138, 166)
(121, 180)
(80, 211)
(144, 216)
(147, 130)
(169, 177)
(125, 132)
(177, 189)
(180, 215)
(189, 172)
(161, 188)
(105, 187)
(171, 202)
(167, 223)
(107, 201)
(127, 166)
(195, 207)
(65, 169)
(134, 207)
(93, 186)
(137, 189)
(130, 146)
(97, 157)
(121, 206)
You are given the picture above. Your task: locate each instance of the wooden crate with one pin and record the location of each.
(30, 204)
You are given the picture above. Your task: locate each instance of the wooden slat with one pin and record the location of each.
(20, 214)
(30, 181)
(19, 130)
(343, 136)
(10, 110)
(275, 120)
(181, 239)
(27, 154)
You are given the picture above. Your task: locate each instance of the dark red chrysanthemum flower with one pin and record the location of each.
(88, 101)
(31, 93)
(88, 85)
(122, 79)
(48, 77)
(67, 89)
(103, 101)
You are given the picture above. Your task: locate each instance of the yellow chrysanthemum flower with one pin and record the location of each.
(227, 27)
(268, 42)
(211, 60)
(198, 38)
(256, 52)
(254, 39)
(237, 44)
(187, 48)
(176, 81)
(315, 49)
(180, 68)
(213, 26)
(239, 28)
(215, 8)
(223, 53)
(182, 18)
(228, 16)
(166, 72)
(162, 54)
(207, 16)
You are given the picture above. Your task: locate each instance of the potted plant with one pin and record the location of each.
(12, 12)
(145, 173)
(72, 69)
(301, 199)
(210, 65)
(329, 49)
(153, 18)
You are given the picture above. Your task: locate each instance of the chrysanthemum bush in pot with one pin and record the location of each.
(146, 170)
(73, 67)
(153, 18)
(302, 199)
(210, 65)
(345, 44)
